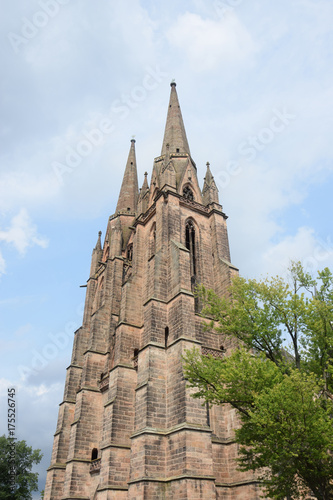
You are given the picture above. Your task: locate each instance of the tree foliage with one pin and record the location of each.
(279, 377)
(24, 458)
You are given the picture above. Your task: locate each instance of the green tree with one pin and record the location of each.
(17, 456)
(283, 393)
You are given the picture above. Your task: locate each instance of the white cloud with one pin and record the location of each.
(33, 187)
(304, 246)
(208, 43)
(22, 233)
(2, 264)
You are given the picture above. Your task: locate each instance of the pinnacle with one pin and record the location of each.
(209, 176)
(174, 134)
(209, 190)
(145, 183)
(128, 196)
(98, 244)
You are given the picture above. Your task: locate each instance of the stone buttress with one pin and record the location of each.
(128, 427)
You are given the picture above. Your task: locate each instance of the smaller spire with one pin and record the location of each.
(96, 255)
(128, 196)
(209, 176)
(98, 244)
(209, 190)
(143, 196)
(145, 183)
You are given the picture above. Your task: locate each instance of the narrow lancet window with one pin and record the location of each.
(190, 245)
(152, 241)
(130, 252)
(101, 293)
(166, 336)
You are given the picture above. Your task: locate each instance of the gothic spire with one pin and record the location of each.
(145, 184)
(128, 196)
(144, 195)
(98, 244)
(209, 190)
(96, 255)
(174, 134)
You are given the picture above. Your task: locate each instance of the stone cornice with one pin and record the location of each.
(128, 324)
(112, 488)
(181, 291)
(81, 460)
(74, 366)
(238, 483)
(122, 365)
(177, 428)
(222, 441)
(70, 401)
(171, 479)
(57, 466)
(95, 352)
(115, 445)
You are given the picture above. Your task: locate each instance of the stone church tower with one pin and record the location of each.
(128, 427)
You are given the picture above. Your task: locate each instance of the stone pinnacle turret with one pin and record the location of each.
(128, 197)
(209, 191)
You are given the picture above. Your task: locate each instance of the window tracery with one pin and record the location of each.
(188, 193)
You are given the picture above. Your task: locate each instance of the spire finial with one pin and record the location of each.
(173, 83)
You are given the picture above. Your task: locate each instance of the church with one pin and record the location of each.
(128, 428)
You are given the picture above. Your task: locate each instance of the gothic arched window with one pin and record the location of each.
(152, 240)
(188, 193)
(190, 242)
(101, 292)
(94, 454)
(130, 252)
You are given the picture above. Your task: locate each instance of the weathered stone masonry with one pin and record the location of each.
(127, 427)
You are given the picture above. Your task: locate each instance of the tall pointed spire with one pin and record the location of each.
(128, 196)
(174, 134)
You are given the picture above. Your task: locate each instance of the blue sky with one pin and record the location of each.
(254, 81)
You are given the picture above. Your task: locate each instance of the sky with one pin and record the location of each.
(79, 80)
